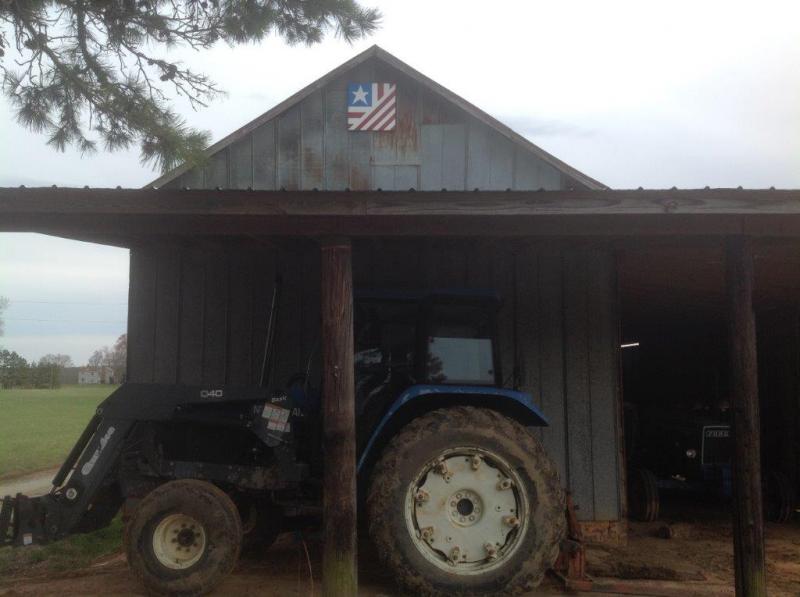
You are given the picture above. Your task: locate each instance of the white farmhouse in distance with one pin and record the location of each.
(92, 375)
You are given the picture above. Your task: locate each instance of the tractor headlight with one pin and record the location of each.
(691, 453)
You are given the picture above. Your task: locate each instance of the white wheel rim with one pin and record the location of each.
(467, 511)
(179, 541)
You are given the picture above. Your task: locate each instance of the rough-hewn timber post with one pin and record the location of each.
(748, 518)
(339, 574)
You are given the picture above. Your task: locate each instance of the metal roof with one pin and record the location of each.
(381, 54)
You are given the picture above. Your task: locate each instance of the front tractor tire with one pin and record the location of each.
(183, 538)
(464, 501)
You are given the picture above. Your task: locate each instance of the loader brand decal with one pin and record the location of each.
(211, 393)
(277, 417)
(87, 468)
(718, 432)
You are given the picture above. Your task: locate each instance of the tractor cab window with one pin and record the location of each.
(385, 334)
(460, 347)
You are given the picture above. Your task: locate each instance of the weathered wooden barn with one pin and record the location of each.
(451, 198)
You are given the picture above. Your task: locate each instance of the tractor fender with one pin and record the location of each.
(517, 405)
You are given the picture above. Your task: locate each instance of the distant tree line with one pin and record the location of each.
(16, 372)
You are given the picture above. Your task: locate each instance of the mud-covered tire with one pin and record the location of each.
(779, 500)
(395, 477)
(644, 503)
(195, 513)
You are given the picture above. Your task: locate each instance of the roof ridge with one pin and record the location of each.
(376, 51)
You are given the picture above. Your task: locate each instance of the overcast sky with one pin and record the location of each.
(652, 94)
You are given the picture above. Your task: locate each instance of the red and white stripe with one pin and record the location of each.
(381, 115)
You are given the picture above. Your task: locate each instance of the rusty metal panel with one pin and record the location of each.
(289, 174)
(360, 161)
(337, 160)
(312, 128)
(264, 157)
(215, 173)
(241, 163)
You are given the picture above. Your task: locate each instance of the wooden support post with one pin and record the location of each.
(748, 518)
(339, 568)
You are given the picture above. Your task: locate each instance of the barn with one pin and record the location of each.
(447, 197)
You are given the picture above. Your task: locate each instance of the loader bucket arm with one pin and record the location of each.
(27, 520)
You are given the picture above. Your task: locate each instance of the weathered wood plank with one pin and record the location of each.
(501, 165)
(432, 137)
(553, 391)
(339, 576)
(241, 164)
(167, 314)
(312, 127)
(604, 343)
(289, 160)
(215, 174)
(190, 356)
(748, 517)
(479, 157)
(265, 157)
(142, 314)
(240, 317)
(215, 318)
(578, 380)
(337, 156)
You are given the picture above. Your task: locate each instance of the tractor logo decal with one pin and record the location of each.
(87, 468)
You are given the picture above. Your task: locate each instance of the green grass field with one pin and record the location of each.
(38, 427)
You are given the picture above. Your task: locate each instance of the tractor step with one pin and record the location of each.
(6, 530)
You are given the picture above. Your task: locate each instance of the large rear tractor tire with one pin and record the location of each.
(183, 538)
(644, 503)
(464, 501)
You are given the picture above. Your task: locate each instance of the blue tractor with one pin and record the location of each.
(457, 493)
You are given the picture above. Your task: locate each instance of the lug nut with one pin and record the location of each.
(475, 461)
(504, 484)
(427, 534)
(422, 496)
(491, 551)
(511, 521)
(455, 553)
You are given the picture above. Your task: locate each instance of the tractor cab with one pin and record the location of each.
(445, 338)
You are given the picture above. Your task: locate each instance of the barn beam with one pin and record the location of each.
(339, 571)
(748, 518)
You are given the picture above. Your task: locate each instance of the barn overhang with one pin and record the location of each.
(124, 216)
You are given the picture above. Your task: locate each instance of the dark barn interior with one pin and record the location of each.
(676, 364)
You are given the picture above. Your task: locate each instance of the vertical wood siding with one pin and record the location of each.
(434, 146)
(198, 314)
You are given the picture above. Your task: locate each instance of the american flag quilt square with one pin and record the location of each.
(371, 106)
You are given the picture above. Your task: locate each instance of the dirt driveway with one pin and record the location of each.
(699, 561)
